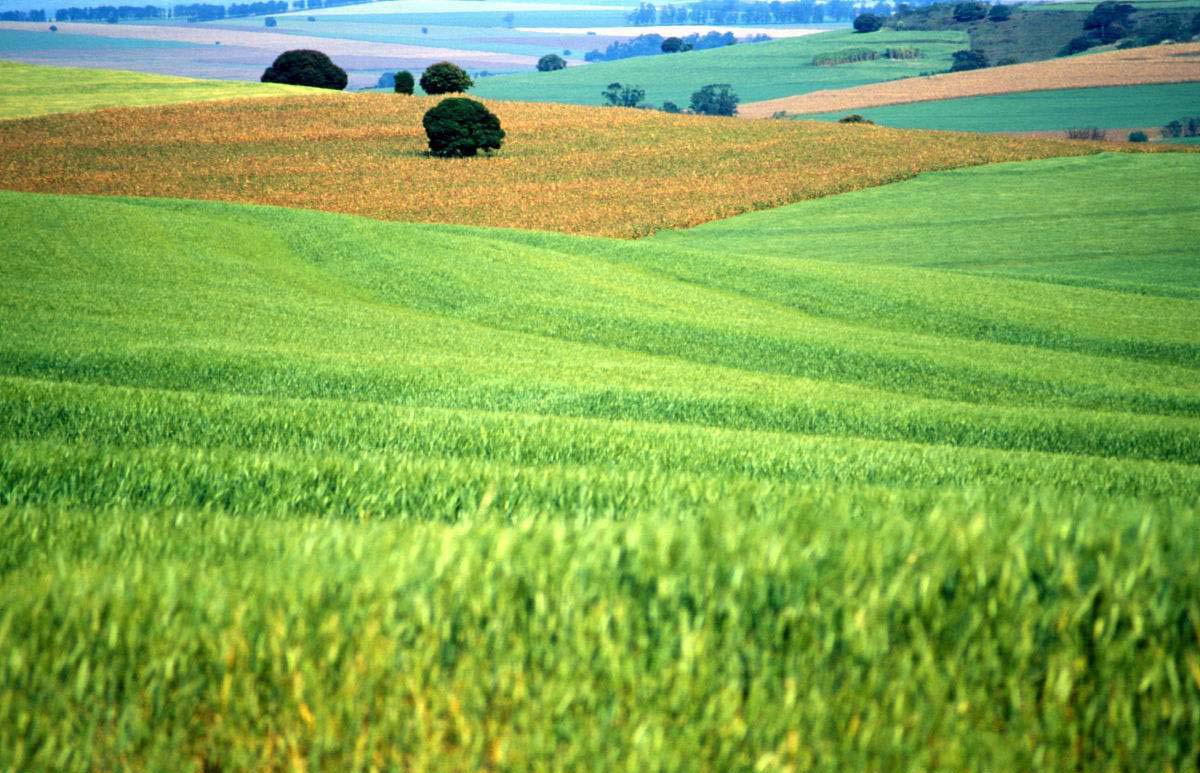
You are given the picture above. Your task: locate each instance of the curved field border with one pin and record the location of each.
(1177, 63)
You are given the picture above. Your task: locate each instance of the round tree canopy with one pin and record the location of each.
(445, 78)
(305, 67)
(461, 127)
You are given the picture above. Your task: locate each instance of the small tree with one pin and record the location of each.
(270, 21)
(968, 12)
(550, 63)
(404, 82)
(445, 78)
(458, 127)
(968, 60)
(1138, 136)
(715, 99)
(675, 45)
(855, 118)
(999, 12)
(670, 107)
(305, 67)
(867, 22)
(1076, 45)
(617, 95)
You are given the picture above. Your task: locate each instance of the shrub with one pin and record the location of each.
(675, 46)
(1138, 137)
(54, 28)
(903, 52)
(617, 95)
(312, 18)
(867, 22)
(1107, 13)
(1077, 45)
(968, 60)
(1087, 133)
(445, 78)
(305, 67)
(270, 21)
(404, 82)
(855, 118)
(715, 99)
(670, 107)
(967, 12)
(1173, 129)
(1006, 61)
(550, 63)
(999, 12)
(459, 127)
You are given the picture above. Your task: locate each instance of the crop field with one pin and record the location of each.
(840, 485)
(1117, 107)
(607, 172)
(29, 90)
(757, 71)
(1155, 64)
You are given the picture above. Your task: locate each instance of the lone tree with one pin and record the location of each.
(270, 22)
(968, 60)
(967, 12)
(550, 63)
(675, 46)
(617, 95)
(404, 82)
(999, 12)
(715, 99)
(305, 67)
(867, 22)
(459, 127)
(445, 78)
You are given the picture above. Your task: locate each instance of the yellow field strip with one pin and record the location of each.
(1175, 63)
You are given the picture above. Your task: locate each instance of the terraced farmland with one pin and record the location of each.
(564, 168)
(866, 482)
(1155, 64)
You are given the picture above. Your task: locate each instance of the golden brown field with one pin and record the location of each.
(1155, 64)
(600, 171)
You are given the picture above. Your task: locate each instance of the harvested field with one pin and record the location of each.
(608, 171)
(1156, 64)
(278, 42)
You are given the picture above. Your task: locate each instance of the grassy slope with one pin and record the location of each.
(30, 90)
(756, 72)
(1106, 107)
(974, 347)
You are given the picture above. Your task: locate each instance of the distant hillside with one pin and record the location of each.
(1157, 64)
(756, 71)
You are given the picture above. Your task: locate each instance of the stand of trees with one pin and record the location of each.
(22, 16)
(757, 12)
(648, 45)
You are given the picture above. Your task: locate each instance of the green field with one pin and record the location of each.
(756, 71)
(1113, 107)
(29, 90)
(898, 479)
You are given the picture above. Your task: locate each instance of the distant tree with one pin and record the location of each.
(1138, 136)
(675, 45)
(459, 127)
(867, 22)
(566, 52)
(1077, 45)
(999, 12)
(305, 67)
(855, 118)
(715, 99)
(670, 107)
(968, 12)
(617, 95)
(445, 78)
(424, 30)
(509, 20)
(404, 82)
(551, 62)
(54, 28)
(1107, 13)
(968, 60)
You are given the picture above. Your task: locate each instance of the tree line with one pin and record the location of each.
(755, 12)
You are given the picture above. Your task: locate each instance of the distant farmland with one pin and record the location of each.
(1154, 64)
(582, 170)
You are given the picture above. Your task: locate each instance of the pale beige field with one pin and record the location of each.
(1176, 63)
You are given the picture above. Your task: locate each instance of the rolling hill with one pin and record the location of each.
(284, 486)
(757, 71)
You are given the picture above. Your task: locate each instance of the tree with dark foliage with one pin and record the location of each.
(715, 99)
(458, 127)
(617, 95)
(550, 63)
(445, 78)
(867, 22)
(404, 82)
(305, 67)
(968, 60)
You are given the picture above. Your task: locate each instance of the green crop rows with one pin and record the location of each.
(898, 479)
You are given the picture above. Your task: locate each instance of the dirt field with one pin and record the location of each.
(1158, 64)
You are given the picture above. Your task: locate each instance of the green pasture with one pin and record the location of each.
(903, 479)
(1111, 107)
(756, 71)
(27, 90)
